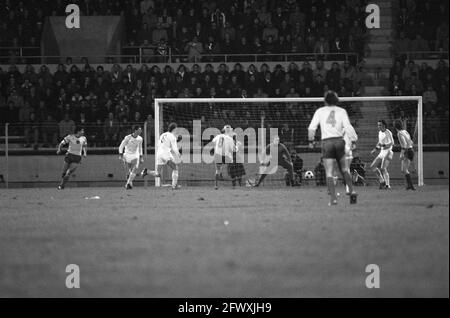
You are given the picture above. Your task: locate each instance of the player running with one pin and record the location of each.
(77, 147)
(334, 123)
(224, 148)
(381, 163)
(284, 160)
(131, 154)
(407, 152)
(167, 153)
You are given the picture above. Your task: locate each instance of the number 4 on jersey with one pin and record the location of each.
(331, 119)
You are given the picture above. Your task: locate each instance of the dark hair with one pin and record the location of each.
(172, 127)
(398, 125)
(78, 129)
(383, 122)
(136, 127)
(331, 98)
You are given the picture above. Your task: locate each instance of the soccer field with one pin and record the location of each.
(198, 242)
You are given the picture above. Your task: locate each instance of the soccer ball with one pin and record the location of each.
(309, 175)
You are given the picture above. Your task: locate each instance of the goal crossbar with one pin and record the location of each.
(418, 99)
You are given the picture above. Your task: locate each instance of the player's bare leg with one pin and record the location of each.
(290, 169)
(68, 172)
(329, 172)
(344, 167)
(405, 170)
(261, 178)
(174, 168)
(217, 175)
(376, 164)
(348, 162)
(132, 169)
(63, 175)
(384, 165)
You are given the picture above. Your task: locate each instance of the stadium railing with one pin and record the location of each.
(140, 56)
(423, 55)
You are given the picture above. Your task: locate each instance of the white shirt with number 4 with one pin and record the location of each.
(333, 121)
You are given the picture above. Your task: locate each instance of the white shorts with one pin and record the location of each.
(386, 154)
(131, 159)
(164, 157)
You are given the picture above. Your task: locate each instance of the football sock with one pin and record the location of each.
(174, 178)
(380, 175)
(65, 178)
(331, 188)
(408, 180)
(216, 180)
(261, 179)
(348, 182)
(386, 177)
(131, 178)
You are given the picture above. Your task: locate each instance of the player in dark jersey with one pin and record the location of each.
(406, 154)
(281, 153)
(77, 147)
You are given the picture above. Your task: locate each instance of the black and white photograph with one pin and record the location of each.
(224, 154)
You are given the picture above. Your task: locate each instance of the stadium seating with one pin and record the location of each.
(274, 39)
(421, 65)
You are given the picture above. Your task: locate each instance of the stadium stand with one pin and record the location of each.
(287, 48)
(194, 32)
(421, 63)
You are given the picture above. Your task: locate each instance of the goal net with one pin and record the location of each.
(256, 121)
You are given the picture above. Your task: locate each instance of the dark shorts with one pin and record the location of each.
(236, 170)
(333, 148)
(409, 154)
(71, 158)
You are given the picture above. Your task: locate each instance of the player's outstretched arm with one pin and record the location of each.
(62, 143)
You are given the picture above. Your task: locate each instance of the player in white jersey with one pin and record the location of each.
(381, 162)
(407, 152)
(77, 147)
(224, 147)
(167, 153)
(131, 154)
(334, 123)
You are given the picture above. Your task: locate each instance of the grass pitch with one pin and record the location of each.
(198, 242)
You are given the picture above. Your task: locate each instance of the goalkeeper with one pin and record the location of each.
(284, 160)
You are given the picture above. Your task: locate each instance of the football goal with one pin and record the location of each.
(256, 121)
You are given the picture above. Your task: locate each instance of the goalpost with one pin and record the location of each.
(263, 118)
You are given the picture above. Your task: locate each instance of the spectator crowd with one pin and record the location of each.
(430, 83)
(422, 26)
(115, 98)
(194, 28)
